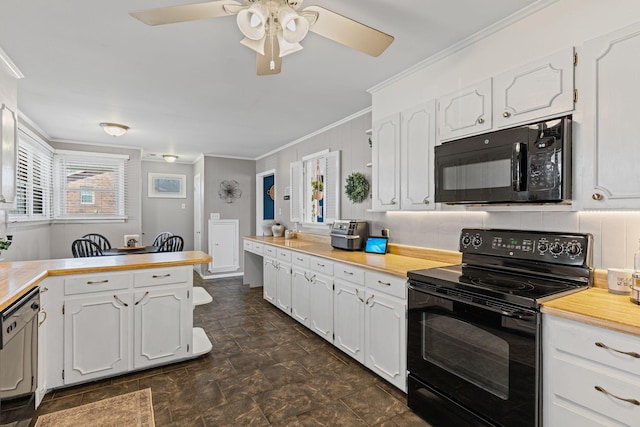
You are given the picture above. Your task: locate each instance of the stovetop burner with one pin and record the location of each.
(517, 267)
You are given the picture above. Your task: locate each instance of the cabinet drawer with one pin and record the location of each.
(258, 247)
(300, 259)
(96, 283)
(248, 245)
(270, 251)
(577, 383)
(321, 265)
(596, 344)
(160, 276)
(284, 255)
(349, 273)
(391, 285)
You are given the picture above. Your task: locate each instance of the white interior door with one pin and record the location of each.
(197, 213)
(261, 193)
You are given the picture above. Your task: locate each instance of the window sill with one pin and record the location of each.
(87, 220)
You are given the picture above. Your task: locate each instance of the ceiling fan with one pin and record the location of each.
(275, 28)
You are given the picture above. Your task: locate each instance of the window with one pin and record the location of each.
(90, 186)
(315, 188)
(33, 180)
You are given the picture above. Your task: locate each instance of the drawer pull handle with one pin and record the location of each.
(602, 390)
(299, 259)
(358, 296)
(628, 353)
(120, 301)
(155, 276)
(384, 283)
(319, 265)
(369, 299)
(98, 283)
(350, 273)
(143, 297)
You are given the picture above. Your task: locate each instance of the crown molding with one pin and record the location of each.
(11, 67)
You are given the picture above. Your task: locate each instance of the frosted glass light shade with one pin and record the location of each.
(252, 21)
(294, 26)
(114, 129)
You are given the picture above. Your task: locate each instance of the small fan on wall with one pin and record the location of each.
(275, 28)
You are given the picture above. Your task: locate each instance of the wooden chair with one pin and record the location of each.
(99, 240)
(161, 237)
(171, 244)
(81, 248)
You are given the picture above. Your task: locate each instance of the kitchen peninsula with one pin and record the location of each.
(105, 316)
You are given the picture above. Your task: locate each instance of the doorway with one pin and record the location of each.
(265, 198)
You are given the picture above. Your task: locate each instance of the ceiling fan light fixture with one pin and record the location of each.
(252, 21)
(255, 45)
(287, 48)
(114, 129)
(171, 158)
(294, 26)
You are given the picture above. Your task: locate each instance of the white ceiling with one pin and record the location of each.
(191, 88)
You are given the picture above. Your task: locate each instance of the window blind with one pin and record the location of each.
(34, 176)
(90, 186)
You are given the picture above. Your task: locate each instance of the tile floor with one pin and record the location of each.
(265, 369)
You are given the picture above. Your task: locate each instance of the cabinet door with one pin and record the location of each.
(540, 89)
(465, 112)
(417, 139)
(321, 311)
(348, 319)
(385, 338)
(163, 326)
(283, 283)
(269, 279)
(609, 91)
(41, 388)
(300, 296)
(96, 336)
(8, 154)
(386, 164)
(223, 245)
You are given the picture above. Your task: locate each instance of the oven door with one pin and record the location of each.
(481, 359)
(483, 169)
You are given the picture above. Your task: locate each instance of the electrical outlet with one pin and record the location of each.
(184, 206)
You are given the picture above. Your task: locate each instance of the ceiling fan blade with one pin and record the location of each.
(187, 12)
(272, 53)
(349, 32)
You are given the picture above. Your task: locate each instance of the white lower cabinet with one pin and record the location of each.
(105, 324)
(96, 336)
(283, 285)
(385, 329)
(591, 376)
(269, 279)
(300, 286)
(321, 305)
(348, 319)
(162, 326)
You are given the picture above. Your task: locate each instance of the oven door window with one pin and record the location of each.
(467, 351)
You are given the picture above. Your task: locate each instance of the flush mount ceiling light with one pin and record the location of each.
(275, 28)
(171, 158)
(114, 129)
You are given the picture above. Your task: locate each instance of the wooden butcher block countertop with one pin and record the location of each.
(16, 278)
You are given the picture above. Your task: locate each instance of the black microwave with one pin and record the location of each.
(524, 164)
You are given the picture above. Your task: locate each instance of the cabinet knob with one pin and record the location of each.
(506, 114)
(596, 196)
(480, 120)
(392, 201)
(425, 200)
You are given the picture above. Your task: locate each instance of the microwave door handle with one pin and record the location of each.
(518, 162)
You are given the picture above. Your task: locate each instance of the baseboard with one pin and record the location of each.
(221, 275)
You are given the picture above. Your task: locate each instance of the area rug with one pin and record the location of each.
(131, 409)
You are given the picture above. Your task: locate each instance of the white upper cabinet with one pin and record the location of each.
(607, 76)
(466, 111)
(403, 159)
(386, 164)
(539, 89)
(542, 88)
(417, 140)
(8, 137)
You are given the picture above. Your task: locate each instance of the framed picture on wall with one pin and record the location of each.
(167, 185)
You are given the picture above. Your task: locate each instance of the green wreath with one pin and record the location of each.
(357, 188)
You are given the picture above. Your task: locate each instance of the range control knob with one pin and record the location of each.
(477, 241)
(574, 248)
(466, 240)
(555, 248)
(542, 247)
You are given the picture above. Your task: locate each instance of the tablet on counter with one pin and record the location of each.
(376, 245)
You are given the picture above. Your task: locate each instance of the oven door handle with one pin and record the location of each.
(517, 314)
(518, 166)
